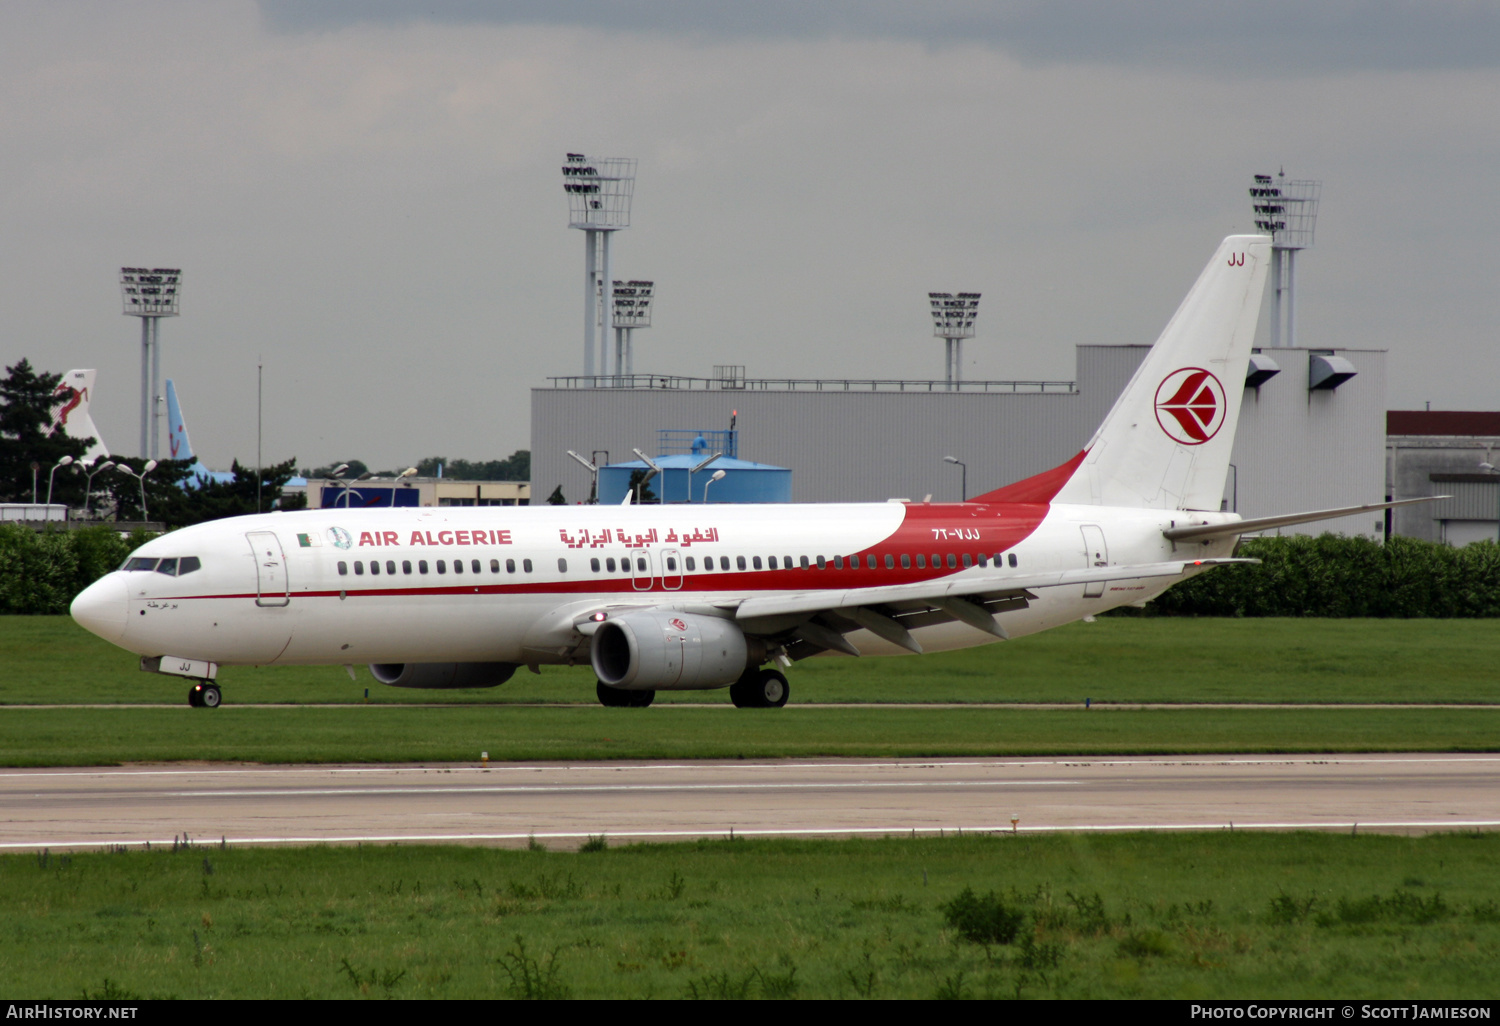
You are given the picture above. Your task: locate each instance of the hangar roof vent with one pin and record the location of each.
(1262, 369)
(1325, 372)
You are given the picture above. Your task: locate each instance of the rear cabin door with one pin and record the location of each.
(671, 569)
(1096, 554)
(641, 574)
(271, 585)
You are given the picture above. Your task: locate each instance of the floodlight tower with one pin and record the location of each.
(1288, 210)
(953, 321)
(599, 192)
(150, 294)
(632, 310)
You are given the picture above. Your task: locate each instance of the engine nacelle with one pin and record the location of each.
(657, 649)
(442, 675)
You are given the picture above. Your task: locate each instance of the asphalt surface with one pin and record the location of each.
(562, 805)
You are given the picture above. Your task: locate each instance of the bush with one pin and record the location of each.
(41, 573)
(986, 920)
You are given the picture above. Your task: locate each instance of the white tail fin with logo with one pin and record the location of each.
(70, 411)
(1166, 443)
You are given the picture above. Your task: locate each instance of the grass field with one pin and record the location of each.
(51, 659)
(1170, 916)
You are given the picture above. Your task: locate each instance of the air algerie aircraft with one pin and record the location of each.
(696, 597)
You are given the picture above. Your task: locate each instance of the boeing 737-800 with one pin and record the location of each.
(708, 596)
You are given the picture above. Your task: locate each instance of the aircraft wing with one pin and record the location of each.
(813, 621)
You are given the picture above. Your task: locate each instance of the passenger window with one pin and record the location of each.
(723, 562)
(755, 562)
(937, 560)
(359, 569)
(187, 564)
(421, 566)
(390, 566)
(984, 559)
(594, 564)
(771, 562)
(1012, 559)
(562, 565)
(458, 566)
(905, 561)
(870, 561)
(822, 563)
(672, 563)
(526, 565)
(739, 561)
(406, 566)
(890, 561)
(838, 562)
(609, 564)
(375, 567)
(952, 561)
(640, 563)
(921, 562)
(168, 567)
(442, 566)
(691, 563)
(968, 561)
(343, 569)
(786, 561)
(494, 566)
(510, 566)
(474, 565)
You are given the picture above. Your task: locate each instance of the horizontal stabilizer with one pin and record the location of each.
(1204, 532)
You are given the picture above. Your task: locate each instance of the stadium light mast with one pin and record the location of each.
(632, 310)
(150, 294)
(1288, 212)
(599, 192)
(953, 321)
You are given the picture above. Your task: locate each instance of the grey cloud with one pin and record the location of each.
(1242, 38)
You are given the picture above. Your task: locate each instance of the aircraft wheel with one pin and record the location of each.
(760, 689)
(212, 696)
(195, 696)
(619, 698)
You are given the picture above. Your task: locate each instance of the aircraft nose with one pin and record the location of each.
(101, 607)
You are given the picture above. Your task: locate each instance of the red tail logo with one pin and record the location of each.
(1190, 405)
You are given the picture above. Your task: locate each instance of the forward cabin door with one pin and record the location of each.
(671, 569)
(641, 574)
(1096, 554)
(271, 585)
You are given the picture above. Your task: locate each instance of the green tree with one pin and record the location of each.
(26, 401)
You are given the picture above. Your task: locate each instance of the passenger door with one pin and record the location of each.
(1096, 554)
(641, 574)
(271, 585)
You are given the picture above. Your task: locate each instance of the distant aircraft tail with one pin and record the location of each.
(178, 446)
(70, 411)
(1166, 443)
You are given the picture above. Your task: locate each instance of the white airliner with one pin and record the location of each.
(709, 596)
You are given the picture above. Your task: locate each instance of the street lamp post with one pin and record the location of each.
(88, 488)
(350, 483)
(141, 477)
(593, 469)
(408, 472)
(717, 475)
(964, 467)
(65, 461)
(695, 470)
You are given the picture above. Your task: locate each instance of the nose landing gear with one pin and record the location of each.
(205, 695)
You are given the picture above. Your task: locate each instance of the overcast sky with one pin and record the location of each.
(366, 195)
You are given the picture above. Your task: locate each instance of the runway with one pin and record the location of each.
(562, 805)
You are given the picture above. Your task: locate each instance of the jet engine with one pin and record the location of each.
(442, 675)
(658, 649)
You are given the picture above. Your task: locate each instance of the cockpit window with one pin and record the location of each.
(187, 564)
(139, 563)
(168, 567)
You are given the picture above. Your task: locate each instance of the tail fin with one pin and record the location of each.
(1167, 441)
(178, 446)
(70, 411)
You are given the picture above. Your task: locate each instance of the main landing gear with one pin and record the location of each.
(760, 689)
(619, 698)
(205, 695)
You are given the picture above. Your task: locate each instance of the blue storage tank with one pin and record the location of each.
(743, 481)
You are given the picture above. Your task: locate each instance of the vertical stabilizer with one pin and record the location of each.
(1167, 441)
(178, 446)
(70, 411)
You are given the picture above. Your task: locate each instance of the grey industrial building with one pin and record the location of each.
(1444, 452)
(1311, 432)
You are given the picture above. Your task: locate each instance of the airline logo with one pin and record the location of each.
(174, 441)
(1190, 405)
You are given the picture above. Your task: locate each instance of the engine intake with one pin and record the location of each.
(442, 676)
(656, 649)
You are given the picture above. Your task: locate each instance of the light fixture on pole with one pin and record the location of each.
(953, 321)
(141, 477)
(65, 461)
(1287, 210)
(593, 469)
(717, 475)
(599, 192)
(88, 488)
(963, 467)
(150, 294)
(655, 470)
(408, 472)
(350, 482)
(632, 310)
(695, 470)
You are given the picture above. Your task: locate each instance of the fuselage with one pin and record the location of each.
(509, 584)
